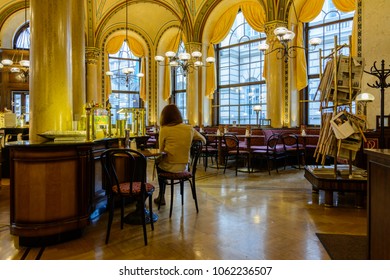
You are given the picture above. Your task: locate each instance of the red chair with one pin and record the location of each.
(233, 150)
(273, 152)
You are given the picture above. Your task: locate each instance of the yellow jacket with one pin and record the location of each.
(176, 141)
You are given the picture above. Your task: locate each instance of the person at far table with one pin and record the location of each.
(175, 141)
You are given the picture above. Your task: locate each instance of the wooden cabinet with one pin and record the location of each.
(378, 165)
(51, 189)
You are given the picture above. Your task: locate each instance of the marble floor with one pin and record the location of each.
(250, 216)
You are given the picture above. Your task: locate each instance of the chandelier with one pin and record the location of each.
(285, 36)
(187, 61)
(129, 75)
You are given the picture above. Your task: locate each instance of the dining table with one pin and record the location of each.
(248, 145)
(219, 137)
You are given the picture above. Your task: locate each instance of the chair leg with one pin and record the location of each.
(161, 194)
(248, 163)
(172, 193)
(182, 192)
(144, 223)
(193, 190)
(226, 161)
(151, 211)
(110, 204)
(268, 166)
(237, 164)
(122, 211)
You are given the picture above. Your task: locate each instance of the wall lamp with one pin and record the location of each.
(285, 36)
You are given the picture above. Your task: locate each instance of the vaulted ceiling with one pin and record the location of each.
(148, 19)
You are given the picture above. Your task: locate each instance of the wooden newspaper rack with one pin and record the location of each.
(341, 132)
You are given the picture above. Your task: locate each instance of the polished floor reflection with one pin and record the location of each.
(249, 216)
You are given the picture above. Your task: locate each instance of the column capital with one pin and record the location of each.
(91, 55)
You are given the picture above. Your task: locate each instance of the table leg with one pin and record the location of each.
(134, 218)
(329, 198)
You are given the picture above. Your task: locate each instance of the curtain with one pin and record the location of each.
(174, 46)
(310, 10)
(255, 16)
(112, 47)
(137, 49)
(347, 6)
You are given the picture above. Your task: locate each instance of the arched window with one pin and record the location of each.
(179, 86)
(22, 37)
(330, 22)
(125, 87)
(241, 85)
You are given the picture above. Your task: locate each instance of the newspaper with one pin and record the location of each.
(344, 124)
(341, 125)
(345, 74)
(347, 129)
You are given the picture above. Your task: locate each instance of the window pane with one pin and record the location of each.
(125, 88)
(329, 24)
(241, 85)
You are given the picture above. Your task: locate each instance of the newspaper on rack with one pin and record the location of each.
(341, 125)
(347, 74)
(347, 128)
(325, 85)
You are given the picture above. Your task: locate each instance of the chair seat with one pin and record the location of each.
(240, 152)
(176, 176)
(125, 188)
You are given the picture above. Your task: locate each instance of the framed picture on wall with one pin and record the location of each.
(386, 122)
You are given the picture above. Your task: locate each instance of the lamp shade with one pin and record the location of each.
(7, 62)
(170, 54)
(365, 96)
(24, 63)
(288, 36)
(315, 41)
(159, 58)
(257, 107)
(196, 54)
(127, 70)
(280, 31)
(184, 56)
(210, 59)
(263, 47)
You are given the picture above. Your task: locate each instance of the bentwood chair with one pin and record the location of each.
(293, 149)
(210, 149)
(125, 177)
(173, 179)
(272, 152)
(233, 150)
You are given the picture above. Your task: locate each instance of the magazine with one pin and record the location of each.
(341, 125)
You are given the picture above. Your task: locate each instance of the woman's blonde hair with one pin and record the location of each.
(170, 115)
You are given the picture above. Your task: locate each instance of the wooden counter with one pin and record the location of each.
(378, 165)
(54, 186)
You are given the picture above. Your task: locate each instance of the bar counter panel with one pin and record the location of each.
(55, 187)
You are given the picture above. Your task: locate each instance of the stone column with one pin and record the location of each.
(51, 66)
(78, 60)
(275, 78)
(193, 75)
(92, 58)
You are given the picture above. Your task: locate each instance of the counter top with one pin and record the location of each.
(383, 152)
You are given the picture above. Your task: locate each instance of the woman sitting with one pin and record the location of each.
(175, 141)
